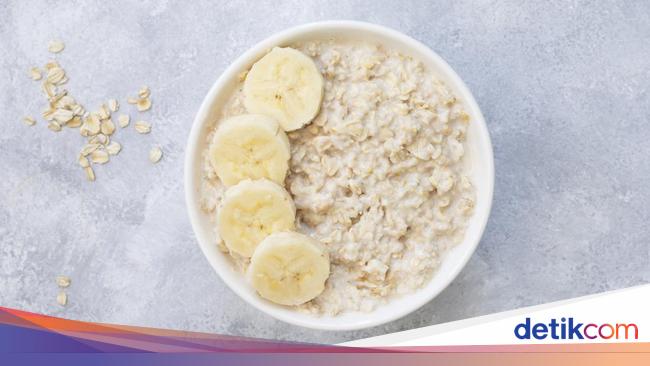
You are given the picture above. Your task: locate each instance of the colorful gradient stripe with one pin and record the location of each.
(18, 327)
(33, 339)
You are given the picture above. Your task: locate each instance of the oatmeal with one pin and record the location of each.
(378, 177)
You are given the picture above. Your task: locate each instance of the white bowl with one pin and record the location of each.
(479, 152)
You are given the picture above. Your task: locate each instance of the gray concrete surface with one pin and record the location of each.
(563, 86)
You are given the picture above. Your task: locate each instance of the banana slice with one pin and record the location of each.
(289, 268)
(286, 85)
(250, 211)
(250, 146)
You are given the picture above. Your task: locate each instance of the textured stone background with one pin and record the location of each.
(563, 86)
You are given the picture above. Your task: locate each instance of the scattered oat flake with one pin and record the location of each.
(51, 64)
(35, 73)
(113, 148)
(30, 121)
(55, 75)
(83, 161)
(63, 281)
(155, 154)
(48, 88)
(96, 127)
(99, 139)
(89, 148)
(62, 115)
(99, 157)
(143, 127)
(144, 92)
(62, 298)
(108, 127)
(144, 104)
(113, 105)
(92, 125)
(78, 110)
(54, 126)
(55, 98)
(48, 114)
(103, 112)
(55, 46)
(123, 120)
(65, 101)
(74, 122)
(90, 174)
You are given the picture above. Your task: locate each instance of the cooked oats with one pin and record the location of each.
(378, 176)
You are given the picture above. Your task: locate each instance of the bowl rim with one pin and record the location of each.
(198, 124)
